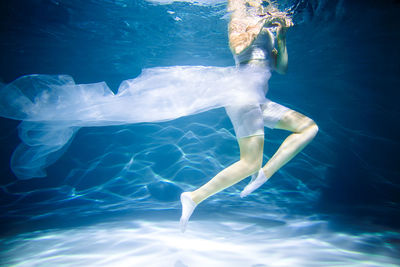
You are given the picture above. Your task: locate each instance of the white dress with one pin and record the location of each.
(250, 119)
(52, 107)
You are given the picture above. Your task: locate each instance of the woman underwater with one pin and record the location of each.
(53, 108)
(252, 43)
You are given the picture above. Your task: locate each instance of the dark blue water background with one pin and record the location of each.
(343, 72)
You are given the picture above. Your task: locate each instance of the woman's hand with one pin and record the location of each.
(280, 22)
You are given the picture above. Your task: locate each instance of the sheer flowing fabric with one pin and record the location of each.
(53, 108)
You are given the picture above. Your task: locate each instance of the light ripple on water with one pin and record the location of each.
(146, 167)
(296, 242)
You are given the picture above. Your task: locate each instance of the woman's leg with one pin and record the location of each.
(251, 149)
(304, 130)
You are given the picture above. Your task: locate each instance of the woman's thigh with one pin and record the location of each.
(272, 113)
(277, 116)
(247, 120)
(294, 121)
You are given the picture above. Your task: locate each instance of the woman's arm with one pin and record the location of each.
(280, 54)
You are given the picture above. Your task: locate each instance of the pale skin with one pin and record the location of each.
(242, 32)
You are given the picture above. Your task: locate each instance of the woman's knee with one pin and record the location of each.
(251, 165)
(312, 128)
(296, 122)
(256, 165)
(308, 128)
(251, 152)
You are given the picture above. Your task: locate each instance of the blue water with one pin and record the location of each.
(112, 198)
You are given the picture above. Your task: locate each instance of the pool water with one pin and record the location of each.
(112, 199)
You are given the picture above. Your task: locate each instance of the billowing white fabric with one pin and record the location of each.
(247, 120)
(272, 113)
(53, 107)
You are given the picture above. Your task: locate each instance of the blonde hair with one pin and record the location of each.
(258, 8)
